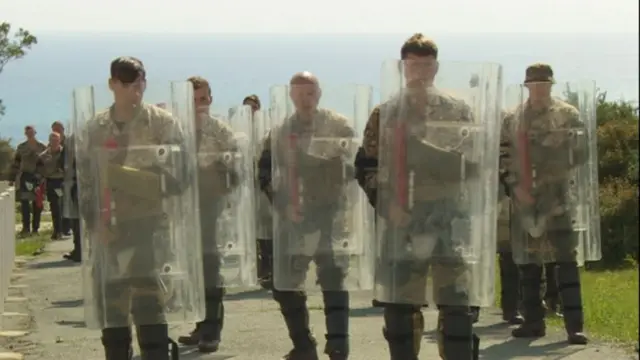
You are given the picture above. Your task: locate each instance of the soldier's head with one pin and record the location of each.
(57, 127)
(253, 101)
(54, 140)
(128, 80)
(539, 80)
(201, 94)
(420, 60)
(29, 132)
(474, 81)
(305, 92)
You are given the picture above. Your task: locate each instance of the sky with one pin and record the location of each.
(326, 16)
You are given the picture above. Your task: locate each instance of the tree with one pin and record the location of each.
(13, 47)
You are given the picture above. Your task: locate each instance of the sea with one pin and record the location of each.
(37, 89)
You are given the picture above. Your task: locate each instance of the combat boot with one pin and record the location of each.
(192, 339)
(155, 343)
(293, 306)
(512, 318)
(336, 314)
(117, 343)
(530, 330)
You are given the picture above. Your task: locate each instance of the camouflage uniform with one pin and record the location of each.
(322, 198)
(138, 294)
(24, 172)
(552, 177)
(212, 137)
(50, 166)
(70, 198)
(432, 205)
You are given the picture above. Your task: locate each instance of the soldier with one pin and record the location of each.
(408, 172)
(308, 203)
(57, 127)
(548, 144)
(252, 101)
(213, 138)
(50, 166)
(264, 220)
(70, 199)
(136, 202)
(23, 170)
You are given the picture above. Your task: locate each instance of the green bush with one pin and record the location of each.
(6, 156)
(618, 176)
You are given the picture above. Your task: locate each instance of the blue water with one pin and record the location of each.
(37, 89)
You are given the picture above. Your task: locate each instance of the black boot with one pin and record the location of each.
(534, 325)
(571, 298)
(293, 305)
(117, 343)
(336, 313)
(455, 333)
(155, 343)
(193, 338)
(510, 289)
(211, 328)
(403, 328)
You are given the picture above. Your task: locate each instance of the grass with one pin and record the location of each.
(45, 217)
(32, 245)
(610, 302)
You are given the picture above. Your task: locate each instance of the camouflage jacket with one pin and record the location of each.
(322, 159)
(374, 158)
(551, 142)
(125, 159)
(26, 158)
(218, 159)
(51, 164)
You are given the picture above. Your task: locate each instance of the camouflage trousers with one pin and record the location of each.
(404, 323)
(291, 273)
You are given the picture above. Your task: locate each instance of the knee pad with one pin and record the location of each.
(403, 327)
(455, 332)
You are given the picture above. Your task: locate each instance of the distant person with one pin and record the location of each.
(264, 231)
(58, 127)
(253, 101)
(70, 209)
(50, 166)
(23, 171)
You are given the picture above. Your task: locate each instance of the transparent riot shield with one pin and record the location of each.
(553, 167)
(69, 185)
(225, 167)
(437, 185)
(138, 196)
(321, 217)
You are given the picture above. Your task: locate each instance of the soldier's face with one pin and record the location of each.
(539, 90)
(253, 105)
(419, 70)
(30, 133)
(57, 128)
(54, 140)
(305, 97)
(202, 100)
(129, 92)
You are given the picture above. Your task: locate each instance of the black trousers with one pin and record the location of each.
(54, 188)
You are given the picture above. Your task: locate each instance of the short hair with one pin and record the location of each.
(254, 98)
(199, 82)
(29, 127)
(57, 123)
(127, 69)
(419, 45)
